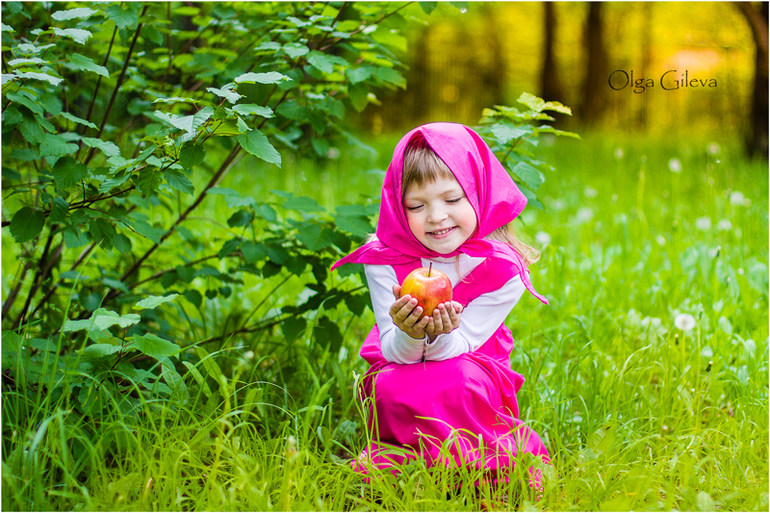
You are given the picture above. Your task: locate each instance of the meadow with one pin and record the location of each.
(647, 375)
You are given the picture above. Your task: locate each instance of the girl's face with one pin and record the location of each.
(439, 214)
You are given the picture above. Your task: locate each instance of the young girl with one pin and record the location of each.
(448, 201)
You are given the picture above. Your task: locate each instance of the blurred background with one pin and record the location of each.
(648, 68)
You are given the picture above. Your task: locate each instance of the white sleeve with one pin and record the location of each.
(396, 346)
(478, 321)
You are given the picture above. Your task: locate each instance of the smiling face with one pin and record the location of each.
(439, 214)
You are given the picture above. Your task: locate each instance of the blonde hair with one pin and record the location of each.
(423, 166)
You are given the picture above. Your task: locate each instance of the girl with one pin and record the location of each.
(448, 201)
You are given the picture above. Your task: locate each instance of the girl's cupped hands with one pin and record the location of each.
(408, 316)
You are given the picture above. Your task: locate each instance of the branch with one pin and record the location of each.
(91, 152)
(365, 27)
(44, 265)
(99, 81)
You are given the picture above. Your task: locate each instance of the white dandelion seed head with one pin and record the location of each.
(558, 205)
(333, 153)
(661, 240)
(248, 355)
(619, 153)
(737, 199)
(542, 238)
(675, 165)
(614, 198)
(714, 252)
(684, 322)
(703, 224)
(590, 192)
(713, 148)
(584, 215)
(724, 225)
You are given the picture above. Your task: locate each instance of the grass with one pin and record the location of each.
(636, 413)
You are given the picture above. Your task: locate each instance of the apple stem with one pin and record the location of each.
(430, 268)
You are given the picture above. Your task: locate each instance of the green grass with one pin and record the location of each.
(636, 413)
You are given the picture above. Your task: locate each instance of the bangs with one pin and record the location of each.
(422, 165)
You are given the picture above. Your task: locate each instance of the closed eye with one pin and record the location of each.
(414, 209)
(454, 200)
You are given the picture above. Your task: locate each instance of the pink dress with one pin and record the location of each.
(469, 400)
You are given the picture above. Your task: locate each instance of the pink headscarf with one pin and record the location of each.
(488, 187)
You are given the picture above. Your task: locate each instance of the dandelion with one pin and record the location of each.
(558, 205)
(713, 148)
(714, 252)
(543, 238)
(737, 199)
(684, 322)
(614, 198)
(675, 165)
(248, 355)
(584, 215)
(703, 224)
(619, 153)
(661, 240)
(590, 192)
(724, 225)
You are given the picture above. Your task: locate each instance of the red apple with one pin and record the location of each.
(429, 286)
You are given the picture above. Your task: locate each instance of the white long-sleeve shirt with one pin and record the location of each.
(479, 320)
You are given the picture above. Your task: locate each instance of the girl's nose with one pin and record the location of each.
(436, 214)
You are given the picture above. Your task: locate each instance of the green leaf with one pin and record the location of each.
(121, 243)
(153, 345)
(232, 197)
(103, 319)
(295, 50)
(40, 76)
(154, 301)
(194, 297)
(314, 236)
(71, 14)
(292, 110)
(271, 77)
(84, 63)
(191, 155)
(226, 92)
(321, 61)
(207, 360)
(249, 108)
(34, 106)
(6, 28)
(102, 230)
(532, 101)
(27, 224)
(428, 7)
(148, 180)
(179, 181)
(303, 204)
(59, 210)
(531, 198)
(506, 133)
(240, 218)
(253, 252)
(67, 115)
(122, 17)
(110, 149)
(34, 60)
(327, 333)
(356, 225)
(189, 124)
(68, 172)
(356, 75)
(293, 327)
(256, 143)
(80, 36)
(359, 96)
(100, 350)
(390, 75)
(529, 175)
(55, 145)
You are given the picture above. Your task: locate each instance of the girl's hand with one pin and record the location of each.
(407, 315)
(446, 317)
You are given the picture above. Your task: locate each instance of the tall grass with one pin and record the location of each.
(636, 413)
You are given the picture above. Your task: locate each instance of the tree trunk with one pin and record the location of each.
(757, 139)
(596, 72)
(549, 83)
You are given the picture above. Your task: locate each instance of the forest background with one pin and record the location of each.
(178, 177)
